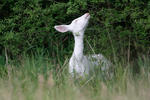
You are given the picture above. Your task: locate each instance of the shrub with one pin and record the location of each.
(117, 27)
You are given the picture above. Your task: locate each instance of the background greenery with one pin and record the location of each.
(117, 27)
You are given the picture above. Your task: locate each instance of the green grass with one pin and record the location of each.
(38, 78)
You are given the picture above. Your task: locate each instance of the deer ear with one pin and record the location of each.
(62, 28)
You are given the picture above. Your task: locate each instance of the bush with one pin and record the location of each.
(117, 27)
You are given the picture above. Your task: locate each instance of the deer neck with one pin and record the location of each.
(79, 46)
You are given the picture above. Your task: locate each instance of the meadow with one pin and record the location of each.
(37, 78)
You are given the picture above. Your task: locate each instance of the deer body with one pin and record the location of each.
(80, 64)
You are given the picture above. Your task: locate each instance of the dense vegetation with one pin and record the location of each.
(116, 28)
(34, 56)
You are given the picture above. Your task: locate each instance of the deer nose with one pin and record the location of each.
(87, 14)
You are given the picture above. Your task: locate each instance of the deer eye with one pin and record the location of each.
(76, 20)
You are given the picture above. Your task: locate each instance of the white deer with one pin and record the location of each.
(79, 64)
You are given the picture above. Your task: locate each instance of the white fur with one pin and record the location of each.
(80, 64)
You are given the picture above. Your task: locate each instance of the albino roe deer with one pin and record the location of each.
(80, 64)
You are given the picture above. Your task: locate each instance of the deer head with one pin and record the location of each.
(77, 26)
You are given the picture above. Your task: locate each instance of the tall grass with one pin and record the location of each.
(38, 78)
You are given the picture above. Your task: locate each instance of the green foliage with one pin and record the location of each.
(117, 27)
